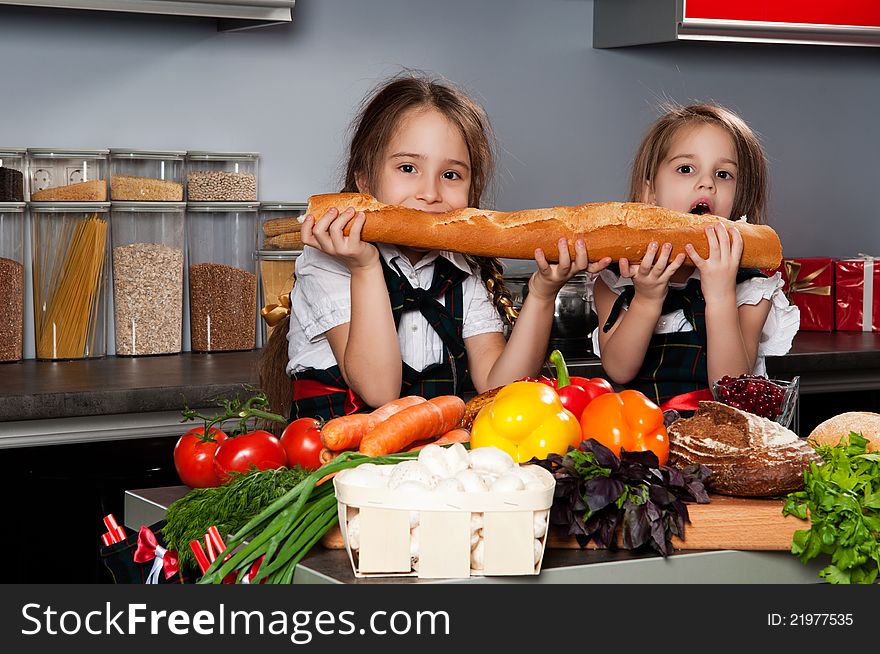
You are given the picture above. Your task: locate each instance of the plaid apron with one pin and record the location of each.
(676, 363)
(334, 398)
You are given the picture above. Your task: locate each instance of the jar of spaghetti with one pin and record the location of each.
(146, 175)
(222, 275)
(12, 178)
(147, 256)
(221, 176)
(11, 280)
(70, 242)
(67, 175)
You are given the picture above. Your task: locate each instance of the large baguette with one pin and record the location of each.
(610, 229)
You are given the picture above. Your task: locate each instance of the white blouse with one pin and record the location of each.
(321, 300)
(779, 329)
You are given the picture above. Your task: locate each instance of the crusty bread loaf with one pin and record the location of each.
(610, 229)
(748, 455)
(475, 404)
(837, 429)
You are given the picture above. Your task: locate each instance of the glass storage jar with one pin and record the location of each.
(148, 243)
(146, 175)
(67, 175)
(276, 271)
(222, 275)
(280, 224)
(12, 174)
(11, 280)
(70, 243)
(221, 176)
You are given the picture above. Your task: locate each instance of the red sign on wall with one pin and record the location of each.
(856, 13)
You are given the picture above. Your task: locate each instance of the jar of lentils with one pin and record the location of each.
(221, 239)
(11, 280)
(221, 176)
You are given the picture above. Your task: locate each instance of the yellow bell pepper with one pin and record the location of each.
(526, 419)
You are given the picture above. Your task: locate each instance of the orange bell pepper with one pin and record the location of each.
(626, 421)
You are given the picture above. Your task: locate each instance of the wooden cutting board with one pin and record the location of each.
(726, 523)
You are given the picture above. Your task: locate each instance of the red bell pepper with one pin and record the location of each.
(575, 392)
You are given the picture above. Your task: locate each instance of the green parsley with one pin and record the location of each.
(841, 497)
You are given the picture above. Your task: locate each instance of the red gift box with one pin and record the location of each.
(809, 284)
(858, 294)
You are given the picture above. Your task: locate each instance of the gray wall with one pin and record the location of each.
(567, 117)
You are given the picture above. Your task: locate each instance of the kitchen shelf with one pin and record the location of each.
(620, 23)
(231, 15)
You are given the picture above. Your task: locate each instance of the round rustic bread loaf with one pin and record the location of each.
(748, 455)
(837, 429)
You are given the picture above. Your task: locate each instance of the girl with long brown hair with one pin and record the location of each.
(371, 323)
(670, 330)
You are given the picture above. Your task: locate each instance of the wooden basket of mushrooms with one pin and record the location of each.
(452, 513)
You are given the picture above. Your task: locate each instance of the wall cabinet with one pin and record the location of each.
(619, 23)
(230, 14)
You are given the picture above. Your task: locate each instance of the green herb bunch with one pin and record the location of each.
(229, 507)
(597, 493)
(841, 497)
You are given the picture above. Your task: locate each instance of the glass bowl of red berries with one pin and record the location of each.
(771, 398)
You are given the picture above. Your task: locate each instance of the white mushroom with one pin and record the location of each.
(491, 459)
(452, 484)
(411, 471)
(413, 486)
(354, 533)
(477, 556)
(539, 549)
(471, 481)
(457, 458)
(507, 483)
(364, 477)
(540, 523)
(413, 519)
(476, 528)
(414, 543)
(435, 461)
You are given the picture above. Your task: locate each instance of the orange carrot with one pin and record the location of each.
(346, 432)
(457, 435)
(326, 456)
(422, 421)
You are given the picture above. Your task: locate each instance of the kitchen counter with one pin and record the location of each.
(323, 566)
(41, 389)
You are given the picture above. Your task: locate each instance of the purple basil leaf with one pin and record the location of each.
(599, 492)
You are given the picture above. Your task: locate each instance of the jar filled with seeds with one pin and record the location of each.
(147, 256)
(70, 242)
(146, 175)
(222, 275)
(221, 176)
(12, 174)
(276, 270)
(11, 280)
(67, 175)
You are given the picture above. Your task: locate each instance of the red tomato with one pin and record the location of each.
(301, 440)
(256, 448)
(194, 457)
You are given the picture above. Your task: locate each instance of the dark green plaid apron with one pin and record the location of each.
(675, 363)
(444, 378)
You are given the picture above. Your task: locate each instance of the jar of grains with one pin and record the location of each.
(70, 243)
(11, 280)
(221, 176)
(148, 241)
(67, 175)
(280, 244)
(222, 275)
(276, 270)
(12, 174)
(146, 175)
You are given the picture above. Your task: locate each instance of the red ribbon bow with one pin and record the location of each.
(148, 549)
